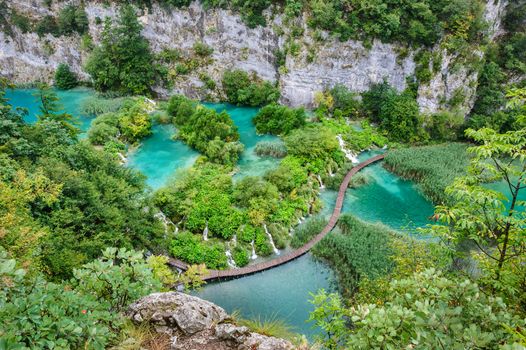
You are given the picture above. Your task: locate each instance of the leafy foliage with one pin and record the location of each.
(425, 310)
(248, 90)
(211, 133)
(191, 249)
(123, 61)
(65, 79)
(279, 120)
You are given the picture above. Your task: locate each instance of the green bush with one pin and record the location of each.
(202, 49)
(413, 307)
(243, 89)
(279, 120)
(65, 79)
(240, 256)
(398, 114)
(36, 314)
(189, 248)
(47, 25)
(72, 19)
(211, 133)
(117, 279)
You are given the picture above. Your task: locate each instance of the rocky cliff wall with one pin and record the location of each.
(26, 57)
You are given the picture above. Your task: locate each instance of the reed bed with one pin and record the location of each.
(433, 167)
(275, 149)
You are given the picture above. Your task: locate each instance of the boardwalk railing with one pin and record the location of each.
(248, 270)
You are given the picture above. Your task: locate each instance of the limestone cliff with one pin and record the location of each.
(318, 64)
(195, 324)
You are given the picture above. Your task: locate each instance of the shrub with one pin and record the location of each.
(72, 19)
(410, 312)
(240, 256)
(116, 279)
(279, 120)
(38, 314)
(242, 89)
(65, 79)
(189, 248)
(47, 25)
(271, 148)
(202, 49)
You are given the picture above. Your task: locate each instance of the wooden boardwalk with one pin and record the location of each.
(250, 269)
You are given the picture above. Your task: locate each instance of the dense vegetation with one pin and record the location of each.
(244, 89)
(279, 120)
(211, 133)
(433, 167)
(65, 79)
(123, 62)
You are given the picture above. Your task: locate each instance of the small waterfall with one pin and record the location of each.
(254, 255)
(234, 240)
(348, 153)
(205, 232)
(166, 222)
(322, 186)
(276, 250)
(230, 261)
(291, 232)
(122, 157)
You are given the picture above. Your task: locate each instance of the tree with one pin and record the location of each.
(279, 120)
(50, 110)
(425, 311)
(491, 219)
(65, 79)
(123, 62)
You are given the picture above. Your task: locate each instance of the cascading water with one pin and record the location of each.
(322, 186)
(166, 222)
(124, 160)
(254, 255)
(348, 153)
(205, 232)
(276, 250)
(229, 260)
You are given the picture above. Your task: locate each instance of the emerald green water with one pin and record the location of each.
(71, 101)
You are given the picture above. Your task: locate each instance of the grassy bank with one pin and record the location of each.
(432, 167)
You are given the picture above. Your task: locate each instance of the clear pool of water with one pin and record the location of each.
(71, 101)
(159, 157)
(249, 163)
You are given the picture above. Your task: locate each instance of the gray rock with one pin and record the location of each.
(196, 324)
(190, 314)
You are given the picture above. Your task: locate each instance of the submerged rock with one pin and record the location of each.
(193, 323)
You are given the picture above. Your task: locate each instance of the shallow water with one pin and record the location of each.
(280, 293)
(71, 101)
(249, 163)
(159, 156)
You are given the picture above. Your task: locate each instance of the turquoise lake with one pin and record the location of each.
(71, 101)
(282, 292)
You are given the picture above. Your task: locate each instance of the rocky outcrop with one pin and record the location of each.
(196, 324)
(319, 64)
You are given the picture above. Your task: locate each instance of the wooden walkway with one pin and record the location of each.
(250, 269)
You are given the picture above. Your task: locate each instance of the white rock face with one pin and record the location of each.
(26, 58)
(348, 63)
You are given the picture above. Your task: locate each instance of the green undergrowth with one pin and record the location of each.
(432, 167)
